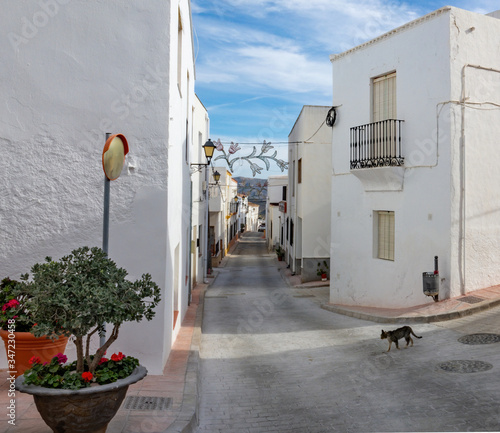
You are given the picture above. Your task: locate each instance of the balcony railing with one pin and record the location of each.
(377, 144)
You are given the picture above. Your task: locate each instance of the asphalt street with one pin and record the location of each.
(273, 361)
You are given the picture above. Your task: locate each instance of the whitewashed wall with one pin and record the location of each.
(74, 70)
(475, 214)
(274, 218)
(425, 195)
(419, 194)
(310, 140)
(199, 223)
(252, 217)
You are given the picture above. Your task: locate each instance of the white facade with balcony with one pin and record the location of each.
(415, 161)
(309, 194)
(64, 85)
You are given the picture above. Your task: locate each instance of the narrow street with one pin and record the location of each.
(273, 361)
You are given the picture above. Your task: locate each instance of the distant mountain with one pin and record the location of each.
(255, 189)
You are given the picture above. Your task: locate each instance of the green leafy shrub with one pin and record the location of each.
(59, 374)
(14, 311)
(79, 294)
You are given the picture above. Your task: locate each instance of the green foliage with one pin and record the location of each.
(65, 376)
(14, 314)
(322, 268)
(80, 293)
(83, 290)
(280, 252)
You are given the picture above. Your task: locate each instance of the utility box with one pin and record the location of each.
(431, 283)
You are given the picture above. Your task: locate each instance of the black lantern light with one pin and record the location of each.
(209, 149)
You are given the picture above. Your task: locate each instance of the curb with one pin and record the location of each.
(482, 306)
(187, 418)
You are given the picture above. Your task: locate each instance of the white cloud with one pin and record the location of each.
(285, 45)
(268, 67)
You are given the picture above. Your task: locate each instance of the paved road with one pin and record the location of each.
(273, 361)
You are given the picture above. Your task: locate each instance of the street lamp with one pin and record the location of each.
(209, 149)
(216, 177)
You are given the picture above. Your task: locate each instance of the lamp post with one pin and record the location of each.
(208, 149)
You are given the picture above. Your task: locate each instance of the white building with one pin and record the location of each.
(232, 204)
(199, 193)
(242, 212)
(71, 72)
(252, 217)
(277, 225)
(223, 214)
(415, 151)
(309, 194)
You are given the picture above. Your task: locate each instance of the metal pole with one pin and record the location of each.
(105, 234)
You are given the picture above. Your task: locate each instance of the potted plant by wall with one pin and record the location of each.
(322, 270)
(280, 252)
(76, 296)
(16, 323)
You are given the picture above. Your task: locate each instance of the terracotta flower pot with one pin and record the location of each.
(87, 410)
(21, 346)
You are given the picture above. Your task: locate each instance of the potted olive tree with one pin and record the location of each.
(75, 297)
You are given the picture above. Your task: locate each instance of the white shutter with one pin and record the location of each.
(386, 231)
(384, 97)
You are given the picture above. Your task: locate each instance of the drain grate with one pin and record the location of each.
(471, 299)
(465, 366)
(304, 296)
(480, 339)
(135, 402)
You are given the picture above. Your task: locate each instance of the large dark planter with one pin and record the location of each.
(87, 410)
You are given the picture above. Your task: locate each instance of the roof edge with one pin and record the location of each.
(431, 15)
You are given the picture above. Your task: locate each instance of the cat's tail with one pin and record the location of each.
(415, 335)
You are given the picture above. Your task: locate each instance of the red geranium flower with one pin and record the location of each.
(35, 360)
(103, 360)
(87, 376)
(13, 303)
(119, 357)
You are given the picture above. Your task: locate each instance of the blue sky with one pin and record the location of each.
(259, 61)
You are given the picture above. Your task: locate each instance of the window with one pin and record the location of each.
(283, 193)
(384, 97)
(299, 171)
(385, 226)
